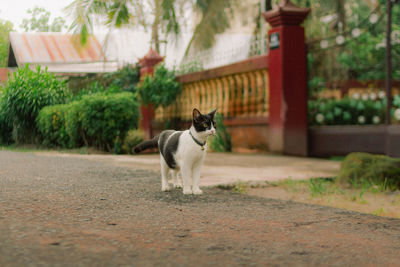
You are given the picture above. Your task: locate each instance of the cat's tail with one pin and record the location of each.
(152, 143)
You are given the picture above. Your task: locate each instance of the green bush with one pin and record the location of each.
(221, 141)
(98, 120)
(125, 79)
(346, 111)
(106, 117)
(358, 168)
(5, 130)
(73, 125)
(161, 89)
(133, 137)
(51, 125)
(25, 94)
(94, 88)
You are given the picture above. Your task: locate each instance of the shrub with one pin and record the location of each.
(161, 89)
(26, 93)
(5, 130)
(375, 169)
(221, 142)
(133, 138)
(94, 88)
(51, 125)
(125, 79)
(106, 117)
(73, 125)
(346, 111)
(98, 120)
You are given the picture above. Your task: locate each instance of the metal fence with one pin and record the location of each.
(227, 54)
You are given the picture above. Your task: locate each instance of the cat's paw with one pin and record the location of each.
(197, 191)
(177, 185)
(187, 191)
(165, 188)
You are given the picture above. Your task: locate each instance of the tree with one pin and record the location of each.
(40, 21)
(5, 28)
(164, 17)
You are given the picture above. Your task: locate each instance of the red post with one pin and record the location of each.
(288, 79)
(148, 62)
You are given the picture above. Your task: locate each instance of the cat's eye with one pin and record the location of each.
(205, 125)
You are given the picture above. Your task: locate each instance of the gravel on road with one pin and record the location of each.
(60, 211)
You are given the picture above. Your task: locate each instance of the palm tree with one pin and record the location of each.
(162, 16)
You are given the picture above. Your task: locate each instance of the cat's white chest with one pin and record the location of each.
(188, 151)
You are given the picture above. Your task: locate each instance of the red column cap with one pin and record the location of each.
(151, 59)
(286, 13)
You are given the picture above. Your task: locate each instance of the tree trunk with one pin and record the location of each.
(155, 39)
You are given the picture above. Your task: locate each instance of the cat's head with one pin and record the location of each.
(204, 124)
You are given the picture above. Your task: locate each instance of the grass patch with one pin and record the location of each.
(366, 196)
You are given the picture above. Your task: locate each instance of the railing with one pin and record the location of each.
(223, 55)
(239, 90)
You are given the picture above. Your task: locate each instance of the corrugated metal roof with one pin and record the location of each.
(59, 52)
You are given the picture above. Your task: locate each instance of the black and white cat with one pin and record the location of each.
(183, 152)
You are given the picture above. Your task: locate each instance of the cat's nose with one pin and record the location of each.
(212, 131)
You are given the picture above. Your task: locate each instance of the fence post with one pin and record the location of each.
(288, 79)
(147, 64)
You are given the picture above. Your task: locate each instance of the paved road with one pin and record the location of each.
(229, 168)
(65, 211)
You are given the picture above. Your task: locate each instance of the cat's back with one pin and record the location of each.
(168, 145)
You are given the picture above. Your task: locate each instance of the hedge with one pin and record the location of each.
(25, 93)
(51, 124)
(5, 129)
(97, 120)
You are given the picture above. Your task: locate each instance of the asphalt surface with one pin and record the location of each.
(60, 211)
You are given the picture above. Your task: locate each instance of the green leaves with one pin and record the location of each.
(5, 28)
(40, 21)
(346, 111)
(161, 89)
(96, 120)
(221, 141)
(26, 92)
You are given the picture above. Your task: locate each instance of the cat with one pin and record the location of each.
(183, 152)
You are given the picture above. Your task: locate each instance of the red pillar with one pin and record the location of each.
(147, 63)
(288, 79)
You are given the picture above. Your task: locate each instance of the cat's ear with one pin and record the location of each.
(212, 113)
(196, 114)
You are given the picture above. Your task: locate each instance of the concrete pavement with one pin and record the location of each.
(228, 168)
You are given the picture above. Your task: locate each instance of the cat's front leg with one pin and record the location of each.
(186, 173)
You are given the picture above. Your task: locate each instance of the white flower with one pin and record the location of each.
(340, 39)
(361, 119)
(324, 44)
(356, 32)
(376, 119)
(381, 94)
(319, 118)
(364, 96)
(372, 96)
(397, 114)
(356, 96)
(373, 18)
